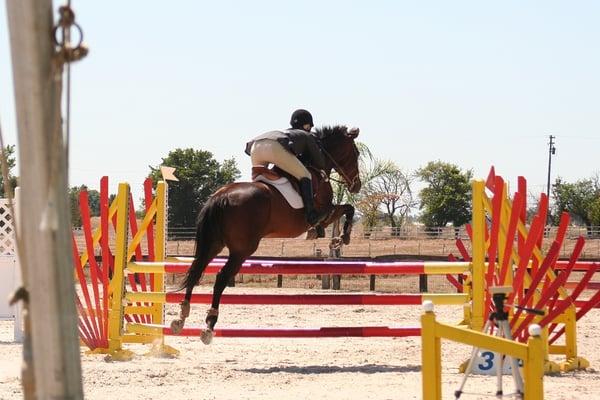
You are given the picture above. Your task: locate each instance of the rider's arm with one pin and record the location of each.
(314, 152)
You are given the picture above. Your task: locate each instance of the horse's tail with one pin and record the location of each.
(209, 239)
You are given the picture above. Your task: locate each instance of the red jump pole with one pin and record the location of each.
(367, 331)
(306, 299)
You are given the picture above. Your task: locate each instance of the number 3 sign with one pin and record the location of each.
(486, 362)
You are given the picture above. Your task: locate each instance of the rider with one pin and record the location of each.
(284, 148)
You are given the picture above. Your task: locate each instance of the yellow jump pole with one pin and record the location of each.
(431, 359)
(432, 332)
(533, 369)
(160, 248)
(478, 261)
(117, 283)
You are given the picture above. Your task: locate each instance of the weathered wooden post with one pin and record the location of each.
(46, 255)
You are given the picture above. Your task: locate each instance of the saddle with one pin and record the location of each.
(275, 173)
(281, 182)
(285, 183)
(272, 174)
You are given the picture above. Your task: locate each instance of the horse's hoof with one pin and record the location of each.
(177, 326)
(206, 336)
(346, 239)
(320, 231)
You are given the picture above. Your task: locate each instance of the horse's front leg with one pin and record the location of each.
(338, 211)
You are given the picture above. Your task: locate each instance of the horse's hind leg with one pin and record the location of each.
(193, 276)
(229, 270)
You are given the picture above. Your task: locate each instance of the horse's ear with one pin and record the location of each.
(353, 132)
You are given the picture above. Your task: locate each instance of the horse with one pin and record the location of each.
(239, 215)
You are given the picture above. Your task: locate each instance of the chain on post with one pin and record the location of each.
(66, 53)
(61, 34)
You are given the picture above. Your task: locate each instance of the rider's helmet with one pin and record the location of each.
(300, 118)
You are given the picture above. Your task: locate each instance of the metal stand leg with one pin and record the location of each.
(499, 319)
(474, 352)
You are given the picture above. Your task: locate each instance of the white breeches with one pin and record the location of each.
(267, 151)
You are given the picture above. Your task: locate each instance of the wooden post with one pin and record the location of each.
(45, 226)
(336, 282)
(372, 283)
(279, 281)
(423, 283)
(335, 252)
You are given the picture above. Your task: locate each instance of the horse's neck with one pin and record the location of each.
(321, 188)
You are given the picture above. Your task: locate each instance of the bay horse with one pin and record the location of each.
(239, 215)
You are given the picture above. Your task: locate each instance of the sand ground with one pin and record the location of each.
(335, 368)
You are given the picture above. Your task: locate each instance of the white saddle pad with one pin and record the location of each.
(285, 188)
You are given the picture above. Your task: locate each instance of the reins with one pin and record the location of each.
(339, 170)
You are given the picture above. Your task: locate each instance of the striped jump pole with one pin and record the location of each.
(363, 331)
(312, 267)
(303, 299)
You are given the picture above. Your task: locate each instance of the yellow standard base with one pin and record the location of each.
(463, 367)
(162, 350)
(113, 355)
(573, 364)
(550, 367)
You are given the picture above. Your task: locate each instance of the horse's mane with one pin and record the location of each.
(327, 132)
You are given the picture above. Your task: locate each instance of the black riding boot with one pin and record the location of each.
(312, 216)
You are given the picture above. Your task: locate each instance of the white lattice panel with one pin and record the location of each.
(7, 237)
(8, 282)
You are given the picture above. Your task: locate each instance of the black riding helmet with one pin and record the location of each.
(300, 118)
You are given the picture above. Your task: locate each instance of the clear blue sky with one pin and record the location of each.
(468, 82)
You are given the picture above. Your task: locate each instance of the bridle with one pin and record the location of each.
(349, 182)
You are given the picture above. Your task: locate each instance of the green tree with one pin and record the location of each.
(9, 151)
(199, 176)
(447, 198)
(594, 212)
(578, 199)
(93, 200)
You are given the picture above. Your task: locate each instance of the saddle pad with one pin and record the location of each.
(285, 188)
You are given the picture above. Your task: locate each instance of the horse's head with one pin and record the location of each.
(341, 153)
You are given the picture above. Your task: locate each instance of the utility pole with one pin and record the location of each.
(551, 152)
(51, 336)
